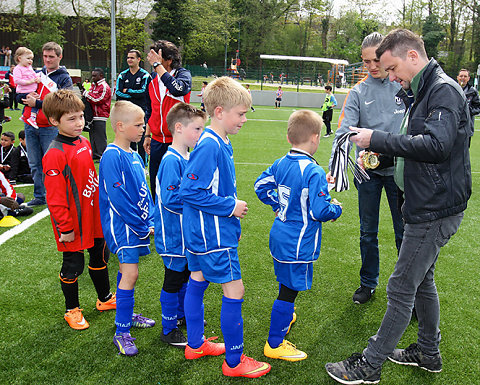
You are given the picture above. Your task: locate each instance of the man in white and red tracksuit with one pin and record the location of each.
(168, 85)
(100, 97)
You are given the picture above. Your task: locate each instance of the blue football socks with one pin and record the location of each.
(181, 301)
(231, 322)
(123, 316)
(194, 312)
(282, 314)
(169, 302)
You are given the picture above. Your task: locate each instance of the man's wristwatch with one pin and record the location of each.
(156, 64)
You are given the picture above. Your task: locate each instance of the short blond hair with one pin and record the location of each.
(21, 51)
(124, 111)
(61, 102)
(302, 124)
(226, 93)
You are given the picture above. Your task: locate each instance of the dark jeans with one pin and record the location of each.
(98, 138)
(13, 99)
(369, 195)
(412, 282)
(157, 150)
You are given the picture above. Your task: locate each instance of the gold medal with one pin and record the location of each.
(370, 160)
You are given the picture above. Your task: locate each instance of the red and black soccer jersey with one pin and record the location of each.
(71, 182)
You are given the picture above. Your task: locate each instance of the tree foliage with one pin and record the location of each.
(433, 34)
(174, 20)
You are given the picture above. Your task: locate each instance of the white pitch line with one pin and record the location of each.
(23, 226)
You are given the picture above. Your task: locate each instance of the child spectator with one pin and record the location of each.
(26, 79)
(126, 210)
(296, 188)
(71, 183)
(9, 156)
(327, 109)
(10, 200)
(211, 229)
(185, 123)
(24, 174)
(200, 95)
(278, 97)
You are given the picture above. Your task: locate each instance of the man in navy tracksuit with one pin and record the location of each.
(132, 86)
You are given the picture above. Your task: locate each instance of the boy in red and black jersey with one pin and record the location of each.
(71, 182)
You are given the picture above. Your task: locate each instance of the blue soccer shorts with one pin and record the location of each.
(296, 276)
(175, 263)
(132, 254)
(217, 266)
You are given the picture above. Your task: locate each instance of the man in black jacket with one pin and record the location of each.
(432, 167)
(470, 93)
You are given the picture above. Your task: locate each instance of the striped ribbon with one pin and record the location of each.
(341, 161)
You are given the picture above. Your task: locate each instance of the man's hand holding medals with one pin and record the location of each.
(368, 160)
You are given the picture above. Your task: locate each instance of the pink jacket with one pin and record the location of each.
(21, 76)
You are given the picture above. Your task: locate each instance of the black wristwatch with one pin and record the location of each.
(156, 64)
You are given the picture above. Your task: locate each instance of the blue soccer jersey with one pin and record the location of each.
(169, 206)
(296, 188)
(209, 196)
(126, 206)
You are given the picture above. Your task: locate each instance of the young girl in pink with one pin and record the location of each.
(26, 79)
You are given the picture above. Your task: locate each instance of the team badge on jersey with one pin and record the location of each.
(192, 176)
(117, 184)
(171, 187)
(398, 100)
(52, 172)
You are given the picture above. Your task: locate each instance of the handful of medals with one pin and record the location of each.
(370, 160)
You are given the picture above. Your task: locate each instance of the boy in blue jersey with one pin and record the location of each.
(186, 123)
(211, 229)
(296, 188)
(126, 215)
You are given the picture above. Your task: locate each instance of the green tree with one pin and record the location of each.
(212, 24)
(41, 29)
(433, 33)
(173, 21)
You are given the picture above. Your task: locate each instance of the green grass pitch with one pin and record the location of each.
(37, 346)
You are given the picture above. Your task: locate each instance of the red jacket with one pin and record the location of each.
(178, 89)
(11, 81)
(6, 188)
(71, 182)
(100, 98)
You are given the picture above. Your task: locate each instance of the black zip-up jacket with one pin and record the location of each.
(437, 174)
(473, 101)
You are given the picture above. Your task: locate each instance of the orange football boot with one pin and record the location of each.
(110, 304)
(75, 319)
(207, 349)
(248, 367)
